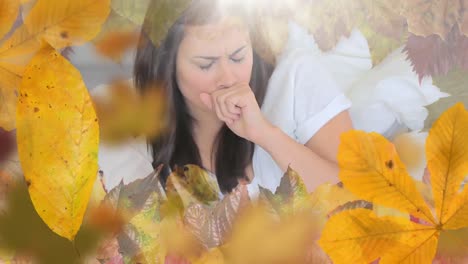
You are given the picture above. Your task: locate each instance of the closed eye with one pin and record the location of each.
(206, 66)
(237, 60)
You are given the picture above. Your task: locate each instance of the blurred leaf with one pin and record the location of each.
(453, 244)
(290, 239)
(326, 199)
(7, 143)
(381, 45)
(58, 138)
(164, 14)
(115, 44)
(385, 17)
(115, 22)
(9, 10)
(454, 83)
(24, 233)
(432, 17)
(117, 112)
(330, 20)
(134, 11)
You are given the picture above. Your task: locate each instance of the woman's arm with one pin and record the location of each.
(316, 161)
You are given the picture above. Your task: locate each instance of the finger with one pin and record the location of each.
(206, 100)
(233, 108)
(219, 112)
(222, 101)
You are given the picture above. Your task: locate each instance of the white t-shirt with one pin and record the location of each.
(301, 97)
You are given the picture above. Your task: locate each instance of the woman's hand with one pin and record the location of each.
(238, 108)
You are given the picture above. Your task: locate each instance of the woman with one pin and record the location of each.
(215, 84)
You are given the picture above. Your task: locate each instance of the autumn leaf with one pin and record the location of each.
(118, 111)
(164, 14)
(27, 238)
(67, 22)
(115, 44)
(453, 246)
(434, 56)
(60, 23)
(432, 17)
(9, 10)
(134, 11)
(7, 141)
(370, 168)
(290, 239)
(15, 54)
(380, 45)
(212, 224)
(58, 138)
(192, 183)
(447, 152)
(115, 22)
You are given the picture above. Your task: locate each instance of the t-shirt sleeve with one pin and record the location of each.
(317, 98)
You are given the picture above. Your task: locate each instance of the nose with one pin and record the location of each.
(226, 76)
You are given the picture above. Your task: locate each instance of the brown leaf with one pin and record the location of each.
(211, 224)
(7, 143)
(432, 55)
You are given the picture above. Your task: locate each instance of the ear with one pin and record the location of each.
(206, 99)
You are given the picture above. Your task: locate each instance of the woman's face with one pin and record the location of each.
(210, 57)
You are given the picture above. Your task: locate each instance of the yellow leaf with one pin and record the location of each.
(66, 22)
(58, 136)
(358, 236)
(193, 183)
(258, 233)
(9, 10)
(15, 54)
(213, 256)
(419, 246)
(326, 198)
(371, 169)
(459, 207)
(447, 157)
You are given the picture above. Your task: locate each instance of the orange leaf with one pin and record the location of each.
(114, 44)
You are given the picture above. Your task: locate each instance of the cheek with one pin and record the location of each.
(192, 82)
(245, 70)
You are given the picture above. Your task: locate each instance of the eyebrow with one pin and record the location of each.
(215, 58)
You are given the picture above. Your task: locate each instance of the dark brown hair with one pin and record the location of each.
(157, 65)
